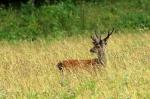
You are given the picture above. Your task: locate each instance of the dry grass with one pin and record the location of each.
(28, 71)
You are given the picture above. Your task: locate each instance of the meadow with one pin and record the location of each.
(34, 39)
(28, 69)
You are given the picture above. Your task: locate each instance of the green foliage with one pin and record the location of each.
(68, 19)
(2, 94)
(32, 95)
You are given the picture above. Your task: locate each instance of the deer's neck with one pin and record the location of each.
(101, 58)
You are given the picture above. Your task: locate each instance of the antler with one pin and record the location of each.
(109, 33)
(96, 35)
(96, 38)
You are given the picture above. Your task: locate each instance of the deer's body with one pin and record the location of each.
(75, 64)
(99, 49)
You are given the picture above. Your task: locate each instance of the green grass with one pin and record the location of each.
(28, 69)
(66, 19)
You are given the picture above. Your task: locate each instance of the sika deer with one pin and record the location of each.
(99, 49)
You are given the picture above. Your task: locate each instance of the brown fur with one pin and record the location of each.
(75, 64)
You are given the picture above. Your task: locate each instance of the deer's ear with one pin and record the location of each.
(105, 42)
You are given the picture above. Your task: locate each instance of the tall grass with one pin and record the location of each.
(67, 19)
(28, 70)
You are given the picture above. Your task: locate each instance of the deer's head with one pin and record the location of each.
(99, 43)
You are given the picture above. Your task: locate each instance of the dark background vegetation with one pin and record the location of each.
(53, 19)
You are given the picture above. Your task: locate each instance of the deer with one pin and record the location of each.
(99, 46)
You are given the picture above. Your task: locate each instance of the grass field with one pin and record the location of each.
(28, 71)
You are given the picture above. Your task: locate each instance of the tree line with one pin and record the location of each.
(18, 3)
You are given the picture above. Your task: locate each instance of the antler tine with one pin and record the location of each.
(96, 34)
(95, 38)
(109, 33)
(92, 38)
(100, 37)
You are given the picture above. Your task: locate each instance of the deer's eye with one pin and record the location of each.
(95, 43)
(98, 45)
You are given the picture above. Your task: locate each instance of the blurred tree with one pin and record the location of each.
(17, 3)
(12, 3)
